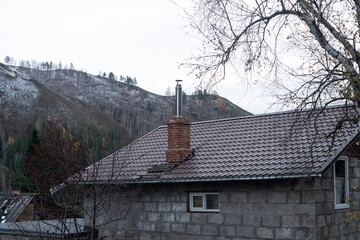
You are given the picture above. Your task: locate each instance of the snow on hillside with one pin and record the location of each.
(19, 93)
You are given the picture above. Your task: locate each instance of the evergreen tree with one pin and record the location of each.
(7, 59)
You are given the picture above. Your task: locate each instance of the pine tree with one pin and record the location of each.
(7, 59)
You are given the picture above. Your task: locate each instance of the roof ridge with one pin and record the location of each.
(265, 114)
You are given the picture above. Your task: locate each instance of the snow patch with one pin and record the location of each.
(18, 94)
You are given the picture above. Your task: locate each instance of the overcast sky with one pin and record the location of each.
(140, 38)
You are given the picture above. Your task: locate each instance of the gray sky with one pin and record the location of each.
(140, 38)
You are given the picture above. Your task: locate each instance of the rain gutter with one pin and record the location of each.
(215, 179)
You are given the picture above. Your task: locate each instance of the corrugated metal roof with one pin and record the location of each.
(277, 145)
(11, 206)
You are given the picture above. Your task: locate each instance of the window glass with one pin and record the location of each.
(197, 201)
(212, 201)
(204, 202)
(340, 188)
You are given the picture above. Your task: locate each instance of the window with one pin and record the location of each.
(204, 202)
(341, 183)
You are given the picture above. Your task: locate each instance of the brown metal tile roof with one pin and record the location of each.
(261, 146)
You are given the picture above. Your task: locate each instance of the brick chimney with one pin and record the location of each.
(178, 133)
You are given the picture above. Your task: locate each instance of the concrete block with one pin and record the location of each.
(265, 208)
(162, 227)
(230, 207)
(284, 233)
(193, 229)
(257, 197)
(276, 197)
(216, 218)
(291, 221)
(324, 233)
(148, 226)
(327, 184)
(232, 219)
(285, 209)
(184, 197)
(242, 231)
(304, 234)
(356, 172)
(137, 206)
(282, 185)
(176, 227)
(224, 197)
(329, 195)
(168, 217)
(313, 196)
(305, 209)
(262, 232)
(243, 208)
(209, 230)
(324, 208)
(293, 197)
(150, 206)
(251, 220)
(153, 217)
(227, 230)
(179, 207)
(198, 218)
(139, 216)
(238, 197)
(340, 217)
(145, 197)
(353, 162)
(330, 220)
(173, 197)
(164, 207)
(182, 217)
(308, 221)
(333, 231)
(158, 197)
(271, 221)
(203, 238)
(223, 238)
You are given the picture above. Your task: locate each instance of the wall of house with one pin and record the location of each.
(332, 223)
(262, 209)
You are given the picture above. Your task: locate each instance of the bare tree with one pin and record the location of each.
(308, 47)
(79, 197)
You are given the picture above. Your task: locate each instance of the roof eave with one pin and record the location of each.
(211, 179)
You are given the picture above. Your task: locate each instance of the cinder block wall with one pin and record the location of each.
(262, 209)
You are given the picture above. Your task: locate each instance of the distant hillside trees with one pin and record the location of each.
(50, 161)
(26, 164)
(168, 91)
(128, 80)
(7, 59)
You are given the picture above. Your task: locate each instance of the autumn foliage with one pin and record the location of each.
(53, 159)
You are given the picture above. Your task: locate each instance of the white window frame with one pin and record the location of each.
(203, 195)
(342, 205)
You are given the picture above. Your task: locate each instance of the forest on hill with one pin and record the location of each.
(101, 112)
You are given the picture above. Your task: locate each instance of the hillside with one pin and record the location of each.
(138, 110)
(24, 102)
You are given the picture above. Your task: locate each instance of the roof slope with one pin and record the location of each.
(11, 206)
(277, 145)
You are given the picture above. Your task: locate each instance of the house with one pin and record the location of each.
(286, 175)
(72, 228)
(16, 207)
(30, 216)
